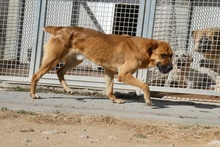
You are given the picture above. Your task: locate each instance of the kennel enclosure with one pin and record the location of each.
(22, 38)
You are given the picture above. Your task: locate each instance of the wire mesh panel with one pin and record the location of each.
(205, 39)
(192, 29)
(107, 16)
(16, 36)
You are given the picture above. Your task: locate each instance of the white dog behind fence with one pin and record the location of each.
(181, 66)
(185, 76)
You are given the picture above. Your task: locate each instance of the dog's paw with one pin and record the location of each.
(69, 91)
(149, 102)
(35, 96)
(118, 101)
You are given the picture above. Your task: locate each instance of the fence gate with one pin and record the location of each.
(22, 36)
(107, 16)
(190, 26)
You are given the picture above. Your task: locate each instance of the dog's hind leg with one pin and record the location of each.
(47, 64)
(72, 61)
(109, 78)
(54, 52)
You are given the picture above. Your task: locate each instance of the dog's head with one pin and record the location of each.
(161, 55)
(182, 59)
(206, 40)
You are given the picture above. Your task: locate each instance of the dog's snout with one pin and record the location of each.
(164, 68)
(170, 67)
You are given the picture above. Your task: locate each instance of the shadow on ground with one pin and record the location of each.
(158, 101)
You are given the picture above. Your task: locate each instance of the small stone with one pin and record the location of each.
(84, 136)
(214, 142)
(95, 141)
(111, 137)
(54, 132)
(28, 141)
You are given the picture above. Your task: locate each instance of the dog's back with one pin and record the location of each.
(93, 44)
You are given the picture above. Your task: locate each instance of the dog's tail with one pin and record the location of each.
(52, 29)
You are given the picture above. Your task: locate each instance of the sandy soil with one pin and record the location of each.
(22, 128)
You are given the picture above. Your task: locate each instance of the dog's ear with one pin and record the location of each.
(52, 29)
(151, 46)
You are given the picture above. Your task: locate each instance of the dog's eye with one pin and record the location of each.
(163, 56)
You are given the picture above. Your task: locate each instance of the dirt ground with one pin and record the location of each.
(23, 128)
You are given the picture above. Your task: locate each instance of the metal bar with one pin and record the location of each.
(114, 1)
(35, 40)
(185, 90)
(41, 35)
(20, 28)
(141, 13)
(87, 84)
(15, 79)
(147, 32)
(79, 81)
(189, 25)
(98, 82)
(149, 18)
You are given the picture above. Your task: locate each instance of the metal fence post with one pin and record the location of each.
(147, 31)
(38, 36)
(141, 13)
(149, 18)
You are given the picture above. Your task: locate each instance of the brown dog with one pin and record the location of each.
(207, 42)
(121, 53)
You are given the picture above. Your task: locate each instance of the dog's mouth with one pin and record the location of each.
(164, 68)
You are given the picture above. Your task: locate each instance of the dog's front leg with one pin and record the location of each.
(127, 78)
(109, 78)
(72, 61)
